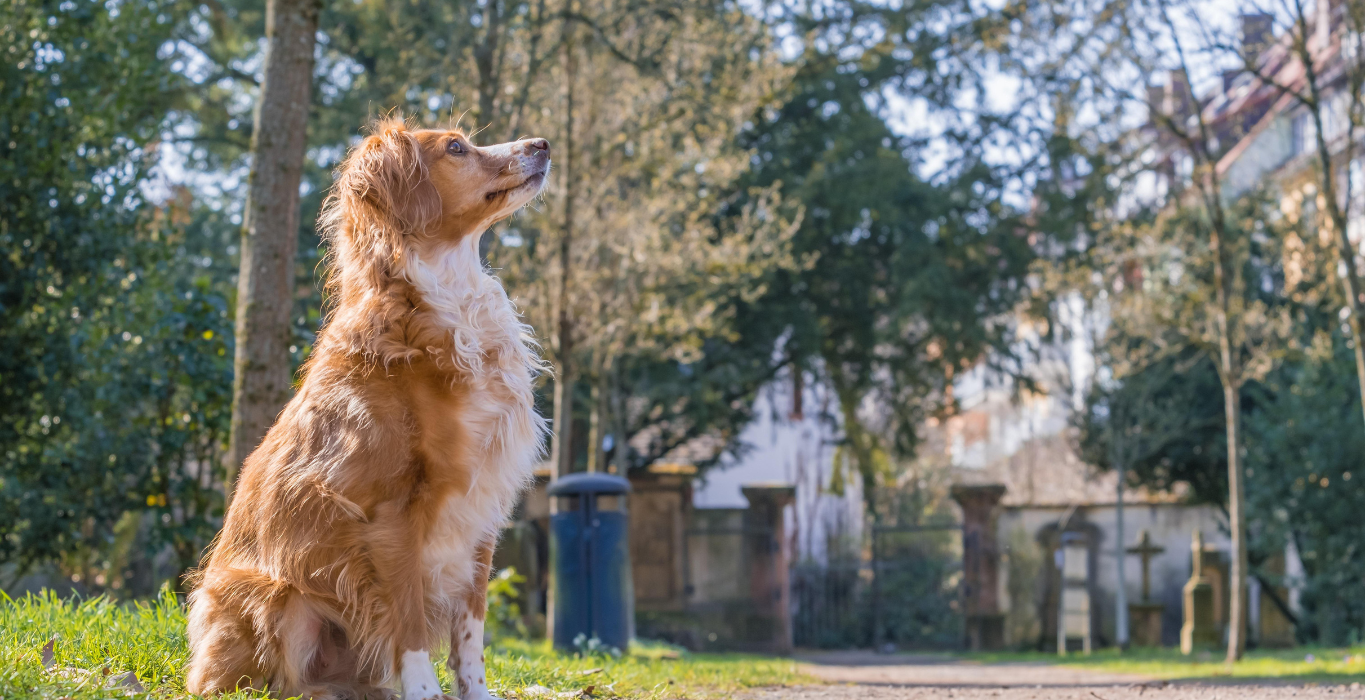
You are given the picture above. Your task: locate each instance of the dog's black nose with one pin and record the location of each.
(538, 145)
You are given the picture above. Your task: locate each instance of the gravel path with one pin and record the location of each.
(1104, 692)
(865, 676)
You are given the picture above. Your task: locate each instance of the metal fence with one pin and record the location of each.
(903, 591)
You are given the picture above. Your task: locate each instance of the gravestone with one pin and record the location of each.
(1073, 563)
(1201, 628)
(1217, 574)
(1072, 548)
(1145, 615)
(1276, 629)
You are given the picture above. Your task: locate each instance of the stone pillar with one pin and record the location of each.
(660, 508)
(981, 565)
(765, 550)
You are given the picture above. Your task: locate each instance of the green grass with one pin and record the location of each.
(1328, 665)
(97, 639)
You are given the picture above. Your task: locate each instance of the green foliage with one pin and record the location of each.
(1166, 419)
(907, 281)
(1304, 474)
(1302, 461)
(503, 610)
(113, 373)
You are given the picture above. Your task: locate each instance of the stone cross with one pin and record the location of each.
(1147, 551)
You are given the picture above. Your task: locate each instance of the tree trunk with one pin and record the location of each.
(1229, 373)
(265, 288)
(1229, 363)
(1237, 607)
(599, 426)
(562, 444)
(1121, 557)
(488, 65)
(618, 423)
(533, 62)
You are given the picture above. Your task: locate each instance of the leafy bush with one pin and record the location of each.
(115, 376)
(503, 610)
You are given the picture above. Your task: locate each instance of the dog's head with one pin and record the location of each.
(436, 184)
(480, 186)
(405, 212)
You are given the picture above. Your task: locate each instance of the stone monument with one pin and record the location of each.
(1075, 617)
(1200, 629)
(1145, 615)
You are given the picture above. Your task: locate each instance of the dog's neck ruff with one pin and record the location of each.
(486, 333)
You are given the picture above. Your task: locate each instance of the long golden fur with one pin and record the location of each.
(361, 530)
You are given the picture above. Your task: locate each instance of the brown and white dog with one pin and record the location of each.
(362, 529)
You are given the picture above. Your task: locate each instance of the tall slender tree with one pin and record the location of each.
(1184, 129)
(561, 451)
(1318, 63)
(265, 289)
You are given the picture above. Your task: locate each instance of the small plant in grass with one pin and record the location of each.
(503, 610)
(592, 646)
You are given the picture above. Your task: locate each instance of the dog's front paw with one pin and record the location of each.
(418, 678)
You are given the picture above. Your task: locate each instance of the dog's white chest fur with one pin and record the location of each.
(494, 352)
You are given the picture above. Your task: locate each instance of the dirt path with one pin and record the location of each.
(1107, 692)
(930, 670)
(866, 676)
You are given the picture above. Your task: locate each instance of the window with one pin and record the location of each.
(1356, 180)
(1302, 133)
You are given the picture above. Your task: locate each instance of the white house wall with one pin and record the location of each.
(798, 451)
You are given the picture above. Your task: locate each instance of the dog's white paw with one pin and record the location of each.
(419, 677)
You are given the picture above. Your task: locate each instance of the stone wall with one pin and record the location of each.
(1028, 588)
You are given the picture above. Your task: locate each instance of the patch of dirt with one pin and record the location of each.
(928, 670)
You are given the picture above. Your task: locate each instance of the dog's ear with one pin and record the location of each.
(386, 172)
(381, 195)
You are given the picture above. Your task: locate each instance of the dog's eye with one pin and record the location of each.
(454, 148)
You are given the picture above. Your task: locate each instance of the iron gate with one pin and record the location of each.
(903, 592)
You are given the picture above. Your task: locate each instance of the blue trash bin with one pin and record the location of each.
(590, 561)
